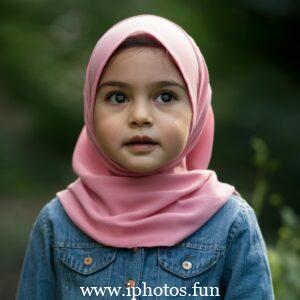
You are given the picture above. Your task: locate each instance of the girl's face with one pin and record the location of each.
(141, 92)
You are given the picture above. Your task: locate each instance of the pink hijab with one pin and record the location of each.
(119, 208)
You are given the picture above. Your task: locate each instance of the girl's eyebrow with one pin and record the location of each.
(155, 83)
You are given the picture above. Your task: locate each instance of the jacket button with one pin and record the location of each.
(130, 283)
(135, 249)
(88, 260)
(186, 265)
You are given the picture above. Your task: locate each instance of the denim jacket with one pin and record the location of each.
(225, 258)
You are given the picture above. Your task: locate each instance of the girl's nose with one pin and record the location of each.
(140, 114)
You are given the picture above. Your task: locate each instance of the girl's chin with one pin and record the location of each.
(141, 167)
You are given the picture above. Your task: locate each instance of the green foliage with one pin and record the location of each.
(284, 256)
(264, 166)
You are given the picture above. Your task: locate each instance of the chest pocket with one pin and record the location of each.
(83, 265)
(186, 262)
(86, 259)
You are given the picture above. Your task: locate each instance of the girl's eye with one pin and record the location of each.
(166, 97)
(119, 97)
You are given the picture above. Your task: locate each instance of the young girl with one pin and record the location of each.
(146, 218)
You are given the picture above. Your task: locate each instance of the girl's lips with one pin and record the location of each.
(141, 147)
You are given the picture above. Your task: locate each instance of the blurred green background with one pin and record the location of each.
(252, 55)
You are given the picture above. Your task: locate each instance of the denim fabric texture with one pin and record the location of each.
(227, 252)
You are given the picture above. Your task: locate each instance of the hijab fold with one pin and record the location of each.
(120, 208)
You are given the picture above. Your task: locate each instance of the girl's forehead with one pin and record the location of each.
(142, 64)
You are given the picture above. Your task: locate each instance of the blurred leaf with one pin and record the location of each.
(261, 151)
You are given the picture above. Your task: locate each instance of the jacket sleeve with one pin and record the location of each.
(246, 274)
(37, 279)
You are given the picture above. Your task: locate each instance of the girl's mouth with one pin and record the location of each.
(141, 146)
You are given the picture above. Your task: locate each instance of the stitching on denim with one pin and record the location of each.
(164, 263)
(46, 226)
(197, 246)
(48, 235)
(260, 249)
(79, 245)
(110, 272)
(157, 270)
(236, 225)
(67, 259)
(142, 260)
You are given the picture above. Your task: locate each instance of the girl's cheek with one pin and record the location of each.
(177, 131)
